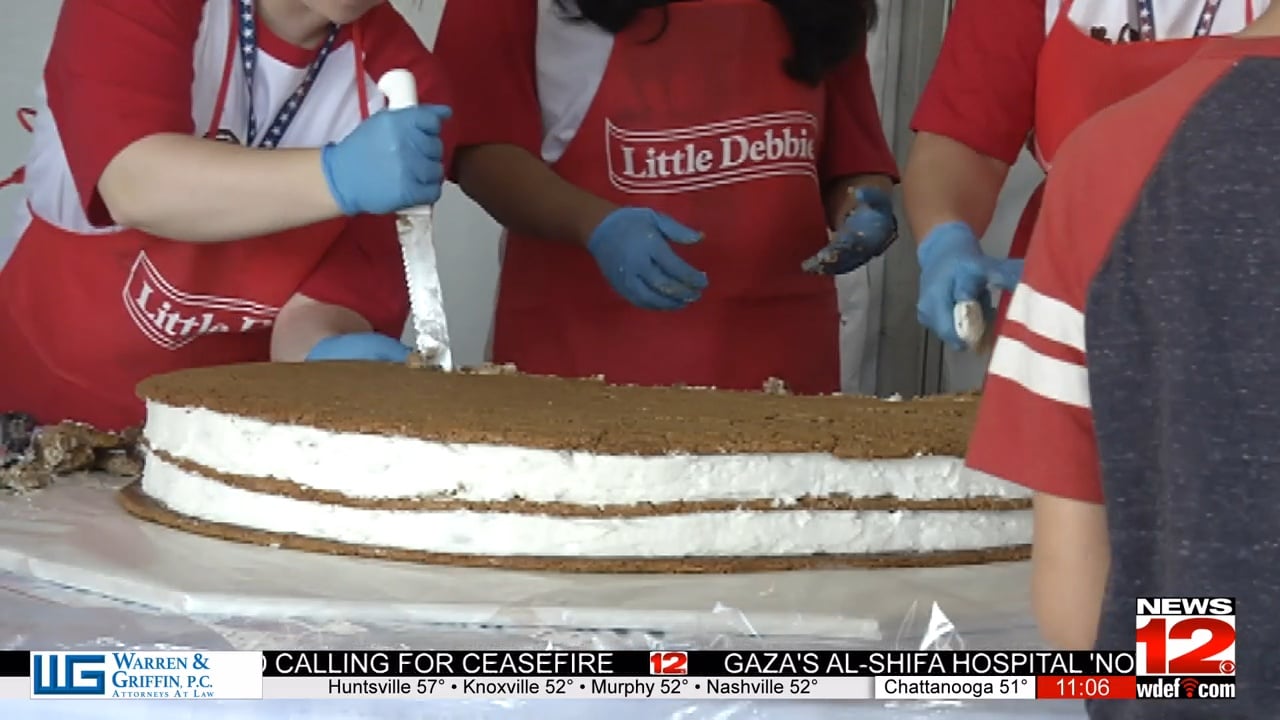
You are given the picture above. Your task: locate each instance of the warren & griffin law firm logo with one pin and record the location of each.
(146, 675)
(68, 674)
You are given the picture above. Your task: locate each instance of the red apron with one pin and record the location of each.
(1079, 76)
(85, 318)
(704, 125)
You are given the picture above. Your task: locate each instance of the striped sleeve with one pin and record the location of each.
(1035, 424)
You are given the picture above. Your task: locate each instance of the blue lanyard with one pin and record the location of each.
(249, 60)
(1147, 19)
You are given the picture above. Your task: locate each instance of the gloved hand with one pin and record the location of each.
(359, 346)
(631, 247)
(391, 161)
(866, 233)
(953, 269)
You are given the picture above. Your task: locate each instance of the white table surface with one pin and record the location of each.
(77, 572)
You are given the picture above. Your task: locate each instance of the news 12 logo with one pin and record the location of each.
(75, 674)
(1186, 636)
(669, 663)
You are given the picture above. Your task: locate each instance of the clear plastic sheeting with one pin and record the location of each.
(77, 572)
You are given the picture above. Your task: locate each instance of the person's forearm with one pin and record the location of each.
(1070, 562)
(198, 190)
(946, 181)
(526, 196)
(304, 322)
(841, 199)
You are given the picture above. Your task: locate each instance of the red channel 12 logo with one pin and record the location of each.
(1186, 636)
(668, 663)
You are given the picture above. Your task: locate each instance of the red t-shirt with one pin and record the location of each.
(982, 92)
(490, 49)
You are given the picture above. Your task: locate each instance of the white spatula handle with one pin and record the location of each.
(971, 326)
(401, 89)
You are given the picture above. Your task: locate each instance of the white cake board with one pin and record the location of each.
(74, 534)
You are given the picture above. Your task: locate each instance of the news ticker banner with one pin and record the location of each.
(1184, 648)
(694, 675)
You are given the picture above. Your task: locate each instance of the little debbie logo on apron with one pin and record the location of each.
(172, 319)
(712, 155)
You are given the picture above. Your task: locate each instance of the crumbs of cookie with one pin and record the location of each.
(69, 448)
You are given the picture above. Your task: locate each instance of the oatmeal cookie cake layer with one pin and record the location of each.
(136, 502)
(569, 414)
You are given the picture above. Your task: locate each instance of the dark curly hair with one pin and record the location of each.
(824, 33)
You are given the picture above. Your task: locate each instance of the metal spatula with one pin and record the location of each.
(426, 300)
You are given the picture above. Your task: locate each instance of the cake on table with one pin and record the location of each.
(501, 469)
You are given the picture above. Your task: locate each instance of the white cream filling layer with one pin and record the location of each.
(717, 534)
(379, 466)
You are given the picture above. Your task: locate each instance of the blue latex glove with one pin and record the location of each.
(391, 161)
(632, 249)
(953, 269)
(359, 346)
(866, 233)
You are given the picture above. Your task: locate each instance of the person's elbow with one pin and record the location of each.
(1070, 562)
(478, 169)
(467, 165)
(143, 183)
(126, 185)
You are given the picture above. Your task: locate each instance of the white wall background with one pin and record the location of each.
(467, 238)
(24, 41)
